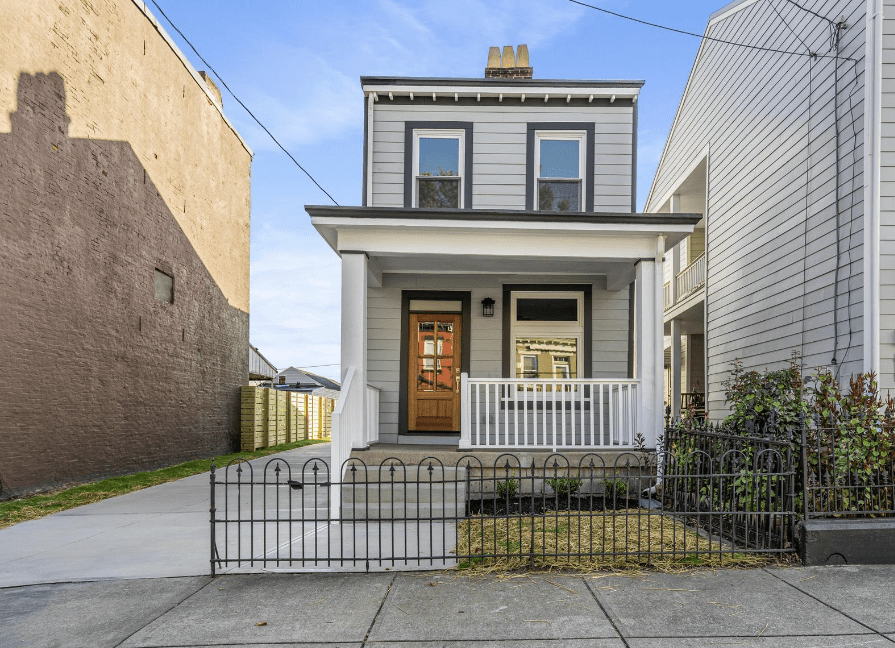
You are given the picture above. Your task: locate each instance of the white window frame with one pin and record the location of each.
(440, 133)
(571, 135)
(536, 329)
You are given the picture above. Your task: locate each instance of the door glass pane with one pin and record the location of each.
(425, 375)
(445, 380)
(546, 357)
(546, 310)
(559, 159)
(426, 338)
(445, 339)
(559, 195)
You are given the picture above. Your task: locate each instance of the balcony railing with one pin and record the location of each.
(691, 278)
(549, 414)
(688, 281)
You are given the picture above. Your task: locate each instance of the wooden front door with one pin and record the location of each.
(433, 389)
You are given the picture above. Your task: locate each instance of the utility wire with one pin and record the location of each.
(792, 2)
(702, 36)
(783, 20)
(251, 114)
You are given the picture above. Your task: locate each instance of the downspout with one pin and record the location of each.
(873, 146)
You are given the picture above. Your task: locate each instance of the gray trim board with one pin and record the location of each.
(587, 352)
(367, 99)
(556, 103)
(496, 83)
(467, 177)
(465, 298)
(501, 215)
(633, 163)
(588, 128)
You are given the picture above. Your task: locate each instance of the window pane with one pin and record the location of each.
(440, 156)
(546, 357)
(559, 159)
(445, 376)
(559, 196)
(438, 192)
(546, 310)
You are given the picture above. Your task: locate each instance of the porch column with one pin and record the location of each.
(354, 346)
(648, 346)
(676, 368)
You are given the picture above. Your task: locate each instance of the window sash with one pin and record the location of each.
(556, 135)
(459, 179)
(546, 329)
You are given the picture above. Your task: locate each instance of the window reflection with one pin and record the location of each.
(543, 357)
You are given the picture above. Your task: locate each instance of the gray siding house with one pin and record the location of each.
(789, 156)
(498, 292)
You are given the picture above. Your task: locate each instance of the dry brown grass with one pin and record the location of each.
(605, 542)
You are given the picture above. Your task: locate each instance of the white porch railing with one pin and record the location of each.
(691, 278)
(668, 295)
(548, 414)
(371, 433)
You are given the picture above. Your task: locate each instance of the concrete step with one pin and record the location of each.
(400, 492)
(403, 510)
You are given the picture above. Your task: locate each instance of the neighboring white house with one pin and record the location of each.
(497, 289)
(790, 158)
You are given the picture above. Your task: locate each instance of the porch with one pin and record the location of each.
(491, 330)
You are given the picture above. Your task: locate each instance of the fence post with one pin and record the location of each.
(803, 472)
(212, 512)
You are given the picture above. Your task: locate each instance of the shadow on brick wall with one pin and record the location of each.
(100, 376)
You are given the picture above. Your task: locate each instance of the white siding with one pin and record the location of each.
(499, 149)
(887, 205)
(772, 213)
(610, 331)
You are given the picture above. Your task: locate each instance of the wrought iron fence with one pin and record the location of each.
(705, 496)
(848, 471)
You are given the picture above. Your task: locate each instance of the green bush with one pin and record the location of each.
(564, 486)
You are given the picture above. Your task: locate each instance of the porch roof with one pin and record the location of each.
(411, 240)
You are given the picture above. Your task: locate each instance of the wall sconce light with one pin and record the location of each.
(487, 307)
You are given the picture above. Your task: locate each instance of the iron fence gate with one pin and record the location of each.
(706, 495)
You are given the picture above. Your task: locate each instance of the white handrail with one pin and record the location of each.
(579, 413)
(691, 278)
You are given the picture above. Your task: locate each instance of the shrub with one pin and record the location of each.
(565, 485)
(507, 488)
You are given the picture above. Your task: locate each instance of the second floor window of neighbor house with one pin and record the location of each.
(559, 159)
(438, 168)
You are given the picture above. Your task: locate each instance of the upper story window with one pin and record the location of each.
(560, 165)
(438, 164)
(438, 157)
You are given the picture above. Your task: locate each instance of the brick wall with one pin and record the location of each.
(99, 376)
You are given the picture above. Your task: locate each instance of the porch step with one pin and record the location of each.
(404, 511)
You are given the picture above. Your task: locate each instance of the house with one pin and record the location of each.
(260, 368)
(498, 290)
(300, 380)
(788, 156)
(124, 248)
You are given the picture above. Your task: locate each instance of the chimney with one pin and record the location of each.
(509, 65)
(215, 92)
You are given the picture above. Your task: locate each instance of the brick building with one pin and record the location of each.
(124, 248)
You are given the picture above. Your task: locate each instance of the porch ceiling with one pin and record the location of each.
(500, 241)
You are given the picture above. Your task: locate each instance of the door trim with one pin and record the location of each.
(465, 297)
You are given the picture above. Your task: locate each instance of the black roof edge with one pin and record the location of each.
(446, 81)
(414, 213)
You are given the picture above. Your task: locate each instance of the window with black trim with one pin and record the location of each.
(559, 161)
(438, 168)
(546, 333)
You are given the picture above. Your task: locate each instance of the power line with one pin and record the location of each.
(702, 36)
(783, 20)
(792, 2)
(251, 114)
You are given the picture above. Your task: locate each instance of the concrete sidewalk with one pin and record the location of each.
(157, 532)
(796, 607)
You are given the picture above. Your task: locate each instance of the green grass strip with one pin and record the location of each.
(38, 506)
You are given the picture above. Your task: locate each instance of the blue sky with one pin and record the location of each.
(296, 65)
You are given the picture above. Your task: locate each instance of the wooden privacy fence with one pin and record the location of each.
(271, 417)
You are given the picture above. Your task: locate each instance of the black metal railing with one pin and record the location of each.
(848, 471)
(707, 495)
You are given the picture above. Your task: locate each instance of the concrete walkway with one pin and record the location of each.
(153, 533)
(797, 607)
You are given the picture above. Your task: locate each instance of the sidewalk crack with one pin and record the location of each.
(388, 591)
(610, 615)
(822, 602)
